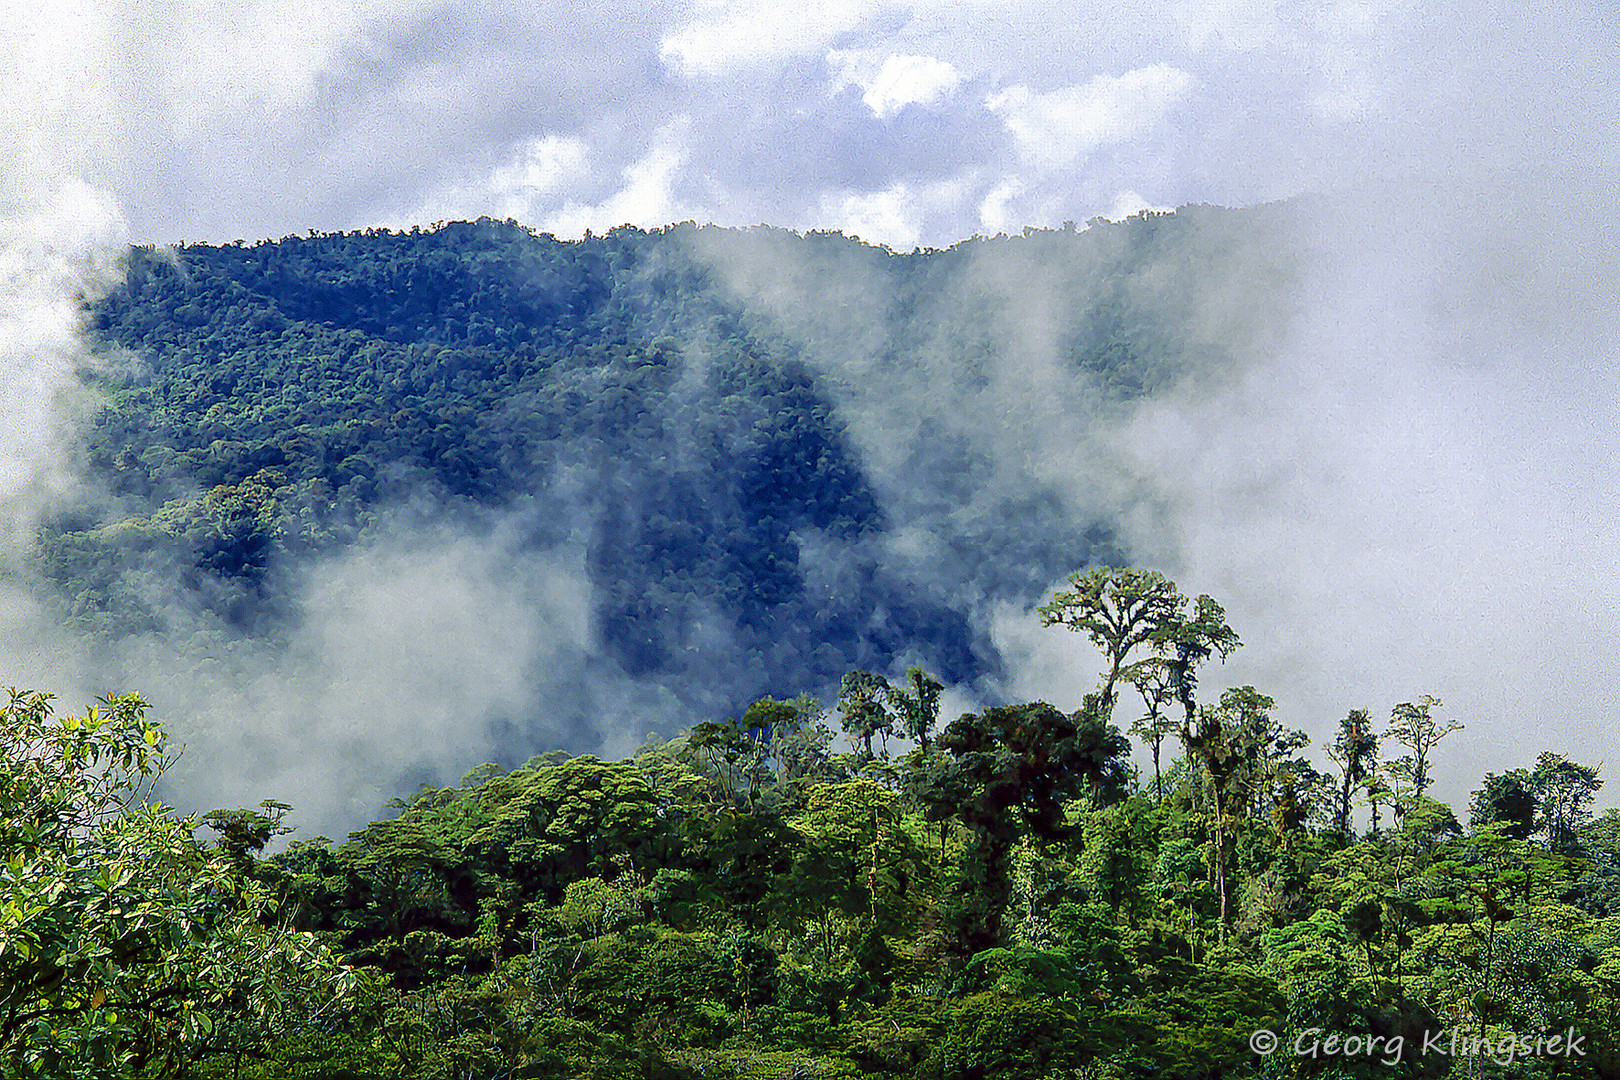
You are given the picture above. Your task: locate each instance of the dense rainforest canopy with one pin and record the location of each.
(1009, 898)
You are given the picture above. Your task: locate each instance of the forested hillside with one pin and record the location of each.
(783, 457)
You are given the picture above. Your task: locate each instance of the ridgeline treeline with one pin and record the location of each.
(999, 895)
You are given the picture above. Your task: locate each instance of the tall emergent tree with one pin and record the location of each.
(1121, 610)
(1355, 751)
(1125, 611)
(1413, 725)
(870, 706)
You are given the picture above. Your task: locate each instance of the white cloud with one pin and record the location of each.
(1349, 43)
(528, 187)
(1128, 204)
(544, 168)
(645, 199)
(218, 119)
(54, 60)
(892, 82)
(57, 248)
(995, 210)
(897, 216)
(893, 216)
(1240, 25)
(1061, 128)
(392, 675)
(266, 58)
(758, 33)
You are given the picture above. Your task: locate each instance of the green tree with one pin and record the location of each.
(546, 825)
(1121, 610)
(1355, 751)
(1565, 791)
(1126, 611)
(863, 708)
(1412, 724)
(1507, 801)
(917, 704)
(1233, 743)
(244, 833)
(1192, 641)
(1116, 863)
(855, 857)
(1155, 680)
(1013, 769)
(1472, 893)
(127, 946)
(856, 883)
(1379, 793)
(733, 754)
(796, 738)
(998, 1037)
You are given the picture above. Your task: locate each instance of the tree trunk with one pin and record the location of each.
(1220, 863)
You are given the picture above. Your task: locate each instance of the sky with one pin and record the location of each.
(1414, 493)
(904, 123)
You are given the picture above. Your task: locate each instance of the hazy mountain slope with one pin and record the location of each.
(762, 458)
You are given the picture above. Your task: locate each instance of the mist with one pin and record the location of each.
(1413, 496)
(1403, 479)
(1414, 492)
(411, 660)
(1391, 455)
(1385, 464)
(59, 243)
(1385, 439)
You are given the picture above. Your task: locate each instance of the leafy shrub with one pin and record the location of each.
(991, 1036)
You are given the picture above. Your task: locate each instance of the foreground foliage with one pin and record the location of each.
(746, 901)
(126, 945)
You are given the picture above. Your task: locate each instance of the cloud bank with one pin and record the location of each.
(254, 120)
